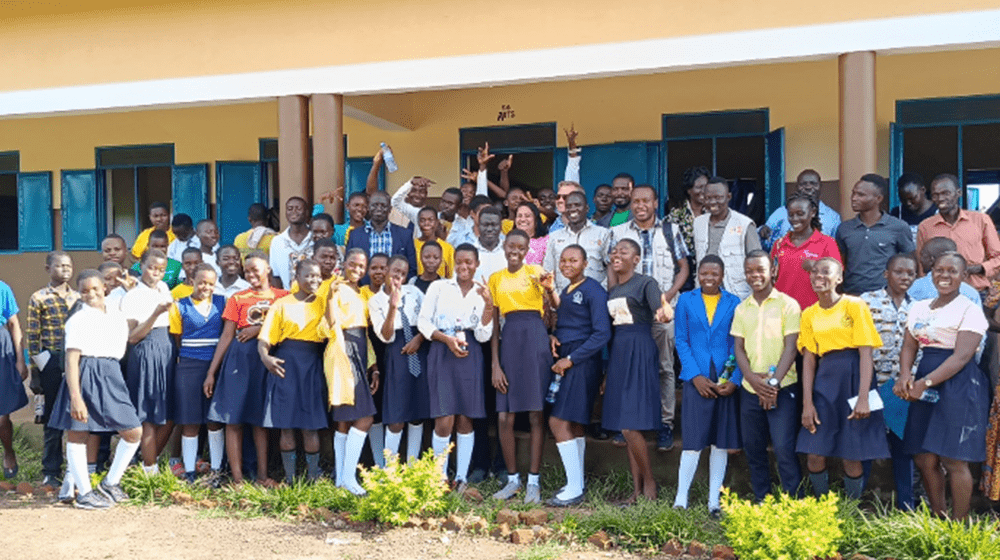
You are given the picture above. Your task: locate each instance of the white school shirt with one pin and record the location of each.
(96, 333)
(140, 302)
(444, 306)
(176, 248)
(490, 261)
(378, 310)
(114, 299)
(285, 253)
(238, 286)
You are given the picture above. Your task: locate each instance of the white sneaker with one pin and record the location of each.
(508, 491)
(533, 494)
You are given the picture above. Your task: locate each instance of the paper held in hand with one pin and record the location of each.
(874, 401)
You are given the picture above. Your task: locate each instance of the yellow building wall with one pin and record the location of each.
(49, 44)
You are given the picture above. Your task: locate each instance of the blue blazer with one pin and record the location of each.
(402, 244)
(697, 342)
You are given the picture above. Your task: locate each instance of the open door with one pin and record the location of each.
(34, 211)
(82, 223)
(237, 186)
(895, 162)
(190, 190)
(774, 160)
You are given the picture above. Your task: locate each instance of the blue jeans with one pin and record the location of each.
(780, 426)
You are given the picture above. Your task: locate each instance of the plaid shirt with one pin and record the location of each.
(47, 313)
(379, 242)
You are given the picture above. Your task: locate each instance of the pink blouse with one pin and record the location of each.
(536, 250)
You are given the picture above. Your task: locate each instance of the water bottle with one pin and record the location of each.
(553, 389)
(930, 395)
(727, 370)
(771, 372)
(39, 408)
(389, 159)
(460, 332)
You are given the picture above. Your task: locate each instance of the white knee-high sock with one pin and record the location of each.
(376, 439)
(463, 451)
(685, 476)
(570, 454)
(352, 454)
(189, 451)
(717, 461)
(124, 452)
(440, 444)
(392, 440)
(216, 447)
(76, 463)
(339, 441)
(581, 443)
(414, 440)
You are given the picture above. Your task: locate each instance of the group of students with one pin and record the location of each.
(398, 327)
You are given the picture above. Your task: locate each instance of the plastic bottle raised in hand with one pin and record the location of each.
(389, 159)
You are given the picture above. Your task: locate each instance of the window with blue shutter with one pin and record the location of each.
(34, 211)
(81, 220)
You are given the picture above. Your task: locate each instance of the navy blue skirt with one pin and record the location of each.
(632, 390)
(150, 377)
(109, 407)
(357, 353)
(298, 400)
(240, 386)
(838, 378)
(955, 426)
(710, 421)
(190, 404)
(456, 385)
(580, 383)
(379, 348)
(12, 394)
(406, 398)
(526, 359)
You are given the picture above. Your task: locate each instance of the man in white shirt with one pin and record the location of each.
(489, 244)
(291, 245)
(578, 231)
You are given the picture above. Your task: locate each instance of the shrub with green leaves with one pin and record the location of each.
(400, 491)
(782, 528)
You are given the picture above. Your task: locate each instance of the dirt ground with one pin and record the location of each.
(46, 531)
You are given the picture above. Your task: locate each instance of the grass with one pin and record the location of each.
(29, 455)
(544, 551)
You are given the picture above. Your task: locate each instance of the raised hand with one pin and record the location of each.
(505, 163)
(470, 176)
(484, 156)
(546, 280)
(377, 160)
(395, 292)
(484, 293)
(571, 137)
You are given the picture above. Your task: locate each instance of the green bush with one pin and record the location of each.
(782, 528)
(399, 491)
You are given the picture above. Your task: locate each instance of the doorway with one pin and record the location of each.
(533, 147)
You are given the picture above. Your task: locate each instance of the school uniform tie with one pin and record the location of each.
(412, 360)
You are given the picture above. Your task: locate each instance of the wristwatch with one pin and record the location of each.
(773, 382)
(928, 382)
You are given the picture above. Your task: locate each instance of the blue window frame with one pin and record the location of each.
(25, 207)
(954, 135)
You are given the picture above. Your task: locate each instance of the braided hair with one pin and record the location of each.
(815, 223)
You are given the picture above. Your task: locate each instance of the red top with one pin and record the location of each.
(792, 280)
(248, 308)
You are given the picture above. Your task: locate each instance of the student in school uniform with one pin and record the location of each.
(457, 317)
(353, 414)
(294, 394)
(93, 396)
(184, 236)
(428, 222)
(394, 312)
(522, 364)
(430, 259)
(765, 330)
(951, 432)
(378, 269)
(159, 216)
(208, 237)
(231, 279)
(839, 334)
(889, 307)
(236, 379)
(632, 391)
(150, 371)
(13, 372)
(190, 259)
(583, 329)
(113, 249)
(709, 405)
(172, 271)
(196, 323)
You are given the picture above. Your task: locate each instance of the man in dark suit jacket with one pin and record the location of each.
(380, 236)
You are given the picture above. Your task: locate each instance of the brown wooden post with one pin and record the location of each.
(328, 151)
(857, 122)
(293, 151)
